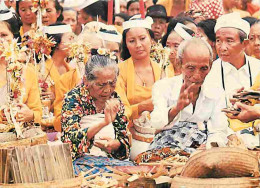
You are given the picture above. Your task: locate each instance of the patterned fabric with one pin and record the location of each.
(88, 162)
(79, 103)
(184, 135)
(212, 8)
(159, 154)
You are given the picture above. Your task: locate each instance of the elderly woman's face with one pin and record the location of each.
(195, 64)
(173, 42)
(25, 11)
(138, 42)
(254, 41)
(104, 85)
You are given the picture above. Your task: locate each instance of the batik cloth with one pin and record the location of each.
(184, 135)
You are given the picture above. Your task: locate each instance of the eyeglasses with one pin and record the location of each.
(108, 83)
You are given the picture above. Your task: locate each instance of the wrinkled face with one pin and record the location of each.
(254, 41)
(195, 64)
(228, 44)
(158, 27)
(138, 42)
(5, 32)
(133, 9)
(102, 88)
(70, 18)
(25, 11)
(119, 21)
(173, 42)
(51, 15)
(66, 39)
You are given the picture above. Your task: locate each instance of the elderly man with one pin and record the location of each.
(160, 19)
(234, 69)
(179, 102)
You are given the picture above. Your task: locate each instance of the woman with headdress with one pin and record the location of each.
(92, 118)
(172, 40)
(137, 73)
(30, 109)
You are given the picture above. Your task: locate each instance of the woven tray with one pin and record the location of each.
(222, 163)
(68, 183)
(144, 130)
(244, 182)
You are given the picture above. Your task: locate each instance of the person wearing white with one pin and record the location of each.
(185, 99)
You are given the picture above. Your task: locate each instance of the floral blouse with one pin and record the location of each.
(79, 103)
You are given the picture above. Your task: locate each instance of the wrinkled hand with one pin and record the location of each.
(111, 110)
(233, 100)
(24, 114)
(185, 97)
(107, 144)
(247, 113)
(48, 95)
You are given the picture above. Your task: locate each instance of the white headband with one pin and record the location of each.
(111, 37)
(179, 29)
(57, 29)
(85, 3)
(143, 23)
(6, 16)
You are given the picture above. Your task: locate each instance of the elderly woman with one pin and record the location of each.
(180, 101)
(30, 109)
(172, 40)
(92, 117)
(72, 78)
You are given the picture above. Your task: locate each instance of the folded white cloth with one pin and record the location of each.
(107, 131)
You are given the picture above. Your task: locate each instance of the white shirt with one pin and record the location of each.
(165, 95)
(233, 79)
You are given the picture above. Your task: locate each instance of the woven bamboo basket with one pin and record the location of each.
(222, 163)
(144, 130)
(68, 183)
(245, 182)
(31, 141)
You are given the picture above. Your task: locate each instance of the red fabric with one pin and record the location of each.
(212, 8)
(252, 8)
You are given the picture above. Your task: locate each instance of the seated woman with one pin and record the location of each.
(180, 101)
(172, 40)
(72, 78)
(137, 73)
(30, 109)
(92, 117)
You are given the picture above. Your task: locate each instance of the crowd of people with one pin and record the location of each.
(177, 65)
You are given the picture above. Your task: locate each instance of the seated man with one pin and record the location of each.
(186, 113)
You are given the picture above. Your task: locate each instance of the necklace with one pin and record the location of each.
(144, 83)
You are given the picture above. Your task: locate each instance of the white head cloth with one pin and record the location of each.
(78, 4)
(5, 16)
(136, 21)
(56, 29)
(232, 20)
(179, 29)
(111, 37)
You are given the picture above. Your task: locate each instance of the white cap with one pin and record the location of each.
(179, 29)
(136, 21)
(57, 29)
(6, 16)
(232, 20)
